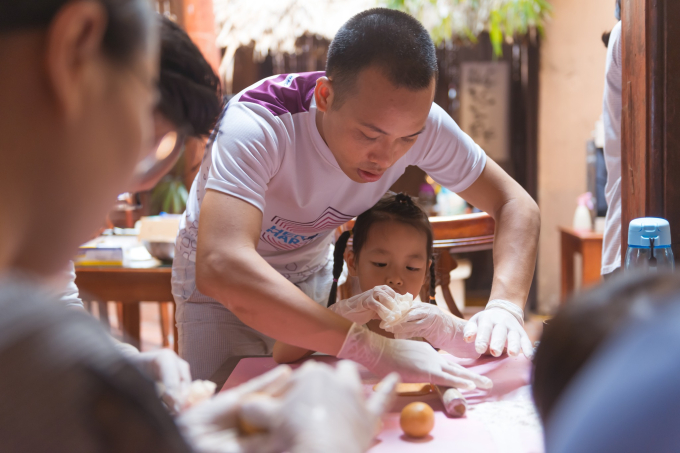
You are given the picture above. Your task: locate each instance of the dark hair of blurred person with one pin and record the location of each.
(390, 40)
(573, 336)
(627, 399)
(190, 93)
(190, 101)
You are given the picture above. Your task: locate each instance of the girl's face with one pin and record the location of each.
(394, 254)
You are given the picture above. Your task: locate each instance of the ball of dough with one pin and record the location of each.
(417, 419)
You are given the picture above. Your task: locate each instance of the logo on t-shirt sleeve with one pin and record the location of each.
(286, 234)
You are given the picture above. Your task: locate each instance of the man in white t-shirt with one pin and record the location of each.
(297, 155)
(611, 117)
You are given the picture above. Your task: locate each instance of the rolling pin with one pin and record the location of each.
(454, 402)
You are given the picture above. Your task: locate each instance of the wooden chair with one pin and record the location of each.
(452, 234)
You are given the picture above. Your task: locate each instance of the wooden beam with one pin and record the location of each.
(634, 141)
(650, 122)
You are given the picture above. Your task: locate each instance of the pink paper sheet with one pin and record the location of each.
(470, 434)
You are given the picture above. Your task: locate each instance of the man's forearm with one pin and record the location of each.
(518, 226)
(264, 300)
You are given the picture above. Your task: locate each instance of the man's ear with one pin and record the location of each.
(350, 259)
(73, 46)
(323, 94)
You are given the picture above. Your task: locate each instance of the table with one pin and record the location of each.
(500, 420)
(128, 286)
(589, 245)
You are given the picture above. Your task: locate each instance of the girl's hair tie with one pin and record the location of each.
(335, 280)
(404, 199)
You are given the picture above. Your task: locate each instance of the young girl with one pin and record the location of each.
(391, 254)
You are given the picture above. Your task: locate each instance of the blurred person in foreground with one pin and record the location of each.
(615, 390)
(77, 92)
(588, 321)
(190, 100)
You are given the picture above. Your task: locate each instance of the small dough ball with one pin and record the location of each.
(417, 419)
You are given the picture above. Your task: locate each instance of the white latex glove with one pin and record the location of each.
(415, 361)
(441, 329)
(212, 426)
(322, 410)
(377, 303)
(165, 367)
(501, 324)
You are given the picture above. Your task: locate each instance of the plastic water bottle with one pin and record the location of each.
(649, 245)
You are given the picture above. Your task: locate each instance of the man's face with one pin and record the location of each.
(376, 124)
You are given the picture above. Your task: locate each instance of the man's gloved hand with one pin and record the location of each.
(165, 367)
(441, 329)
(500, 324)
(322, 410)
(213, 426)
(377, 303)
(415, 361)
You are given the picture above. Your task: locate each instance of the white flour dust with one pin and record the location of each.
(506, 414)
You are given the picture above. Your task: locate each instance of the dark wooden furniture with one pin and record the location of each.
(650, 121)
(589, 246)
(129, 287)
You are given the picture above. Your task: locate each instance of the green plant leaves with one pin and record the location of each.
(467, 19)
(170, 195)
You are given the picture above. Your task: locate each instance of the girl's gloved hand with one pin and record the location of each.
(323, 410)
(212, 426)
(415, 361)
(501, 324)
(441, 329)
(377, 303)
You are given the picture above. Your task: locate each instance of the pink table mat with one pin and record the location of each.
(500, 420)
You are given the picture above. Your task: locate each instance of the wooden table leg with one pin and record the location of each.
(104, 315)
(592, 262)
(131, 324)
(163, 308)
(567, 265)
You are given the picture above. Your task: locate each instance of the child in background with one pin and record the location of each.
(577, 332)
(391, 254)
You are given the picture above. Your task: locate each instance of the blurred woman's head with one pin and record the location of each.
(585, 323)
(77, 91)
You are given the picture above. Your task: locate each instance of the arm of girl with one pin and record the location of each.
(287, 353)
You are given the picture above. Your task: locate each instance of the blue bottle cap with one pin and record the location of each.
(642, 231)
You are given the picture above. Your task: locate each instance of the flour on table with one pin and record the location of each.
(509, 419)
(520, 413)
